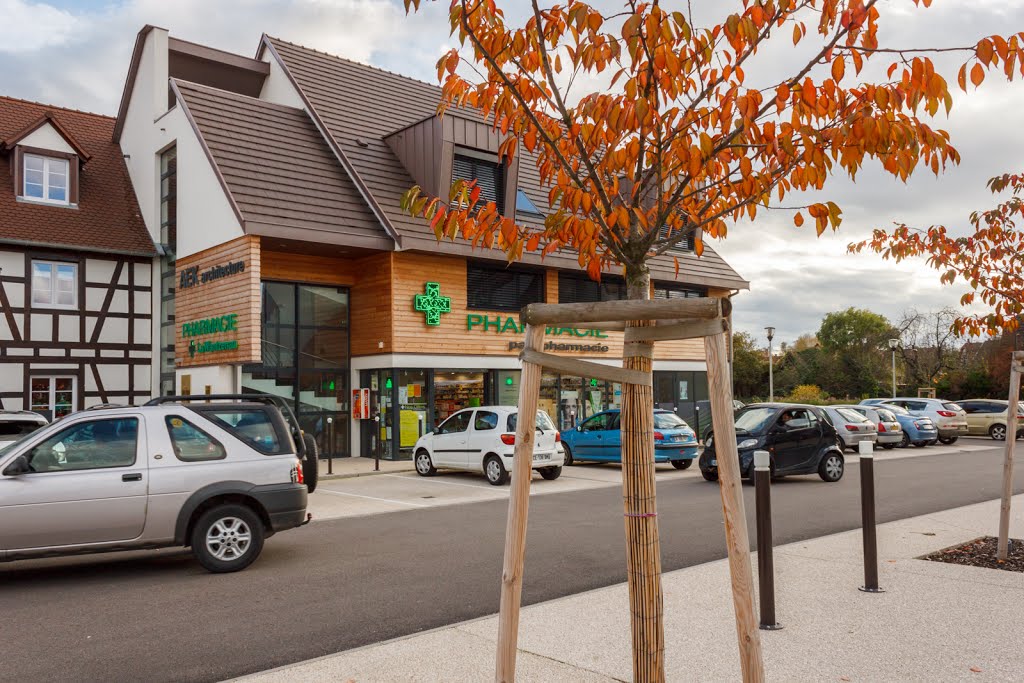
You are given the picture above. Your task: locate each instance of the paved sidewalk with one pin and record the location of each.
(345, 468)
(935, 621)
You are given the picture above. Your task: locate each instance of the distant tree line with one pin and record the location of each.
(849, 357)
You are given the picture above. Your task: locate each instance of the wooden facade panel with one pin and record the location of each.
(369, 283)
(236, 294)
(490, 333)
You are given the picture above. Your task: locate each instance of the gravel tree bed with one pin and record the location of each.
(981, 552)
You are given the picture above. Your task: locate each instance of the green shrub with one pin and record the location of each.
(808, 393)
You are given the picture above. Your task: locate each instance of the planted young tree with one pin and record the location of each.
(646, 131)
(988, 256)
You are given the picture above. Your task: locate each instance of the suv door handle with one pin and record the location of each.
(134, 476)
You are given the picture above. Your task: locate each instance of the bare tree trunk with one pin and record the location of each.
(643, 545)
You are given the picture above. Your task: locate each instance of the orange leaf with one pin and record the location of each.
(977, 75)
(984, 51)
(798, 219)
(838, 69)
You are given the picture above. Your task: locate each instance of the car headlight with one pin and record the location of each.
(747, 443)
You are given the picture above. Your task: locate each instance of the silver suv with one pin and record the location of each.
(219, 477)
(15, 424)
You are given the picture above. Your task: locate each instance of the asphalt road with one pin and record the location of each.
(339, 584)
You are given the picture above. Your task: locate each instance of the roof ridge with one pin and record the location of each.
(257, 100)
(355, 62)
(56, 106)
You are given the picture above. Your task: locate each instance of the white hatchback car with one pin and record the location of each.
(483, 440)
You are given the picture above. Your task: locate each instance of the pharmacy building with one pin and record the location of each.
(272, 184)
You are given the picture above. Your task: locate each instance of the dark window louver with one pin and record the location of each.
(580, 289)
(685, 244)
(491, 288)
(489, 177)
(672, 291)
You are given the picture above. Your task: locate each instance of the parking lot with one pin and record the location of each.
(394, 491)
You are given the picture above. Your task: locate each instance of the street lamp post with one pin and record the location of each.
(771, 369)
(893, 343)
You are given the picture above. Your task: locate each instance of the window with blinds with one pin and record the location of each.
(685, 244)
(576, 288)
(496, 288)
(675, 291)
(489, 177)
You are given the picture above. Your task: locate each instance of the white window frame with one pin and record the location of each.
(54, 266)
(47, 162)
(51, 400)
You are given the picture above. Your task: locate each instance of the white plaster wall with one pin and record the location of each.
(99, 271)
(115, 377)
(119, 302)
(138, 139)
(143, 329)
(46, 137)
(142, 379)
(142, 302)
(15, 294)
(220, 378)
(205, 216)
(144, 273)
(277, 88)
(12, 263)
(68, 328)
(94, 298)
(11, 377)
(42, 327)
(5, 329)
(114, 331)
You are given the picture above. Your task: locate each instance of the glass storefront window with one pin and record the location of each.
(508, 387)
(549, 395)
(570, 402)
(412, 409)
(455, 390)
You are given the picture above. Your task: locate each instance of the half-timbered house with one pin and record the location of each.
(76, 264)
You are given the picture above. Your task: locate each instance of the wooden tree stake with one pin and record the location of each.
(736, 538)
(1002, 547)
(518, 506)
(643, 545)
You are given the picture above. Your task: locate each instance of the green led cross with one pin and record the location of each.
(432, 304)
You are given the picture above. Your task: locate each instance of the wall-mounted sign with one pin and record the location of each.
(432, 304)
(206, 326)
(190, 276)
(556, 346)
(501, 324)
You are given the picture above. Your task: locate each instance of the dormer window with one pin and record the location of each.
(46, 179)
(489, 176)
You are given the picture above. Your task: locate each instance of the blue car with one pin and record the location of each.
(598, 438)
(917, 430)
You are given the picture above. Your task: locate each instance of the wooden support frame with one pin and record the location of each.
(586, 368)
(660, 320)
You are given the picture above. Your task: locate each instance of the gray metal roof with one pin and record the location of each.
(279, 171)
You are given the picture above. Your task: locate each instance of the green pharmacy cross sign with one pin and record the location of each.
(432, 304)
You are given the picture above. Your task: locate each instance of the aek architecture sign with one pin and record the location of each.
(217, 305)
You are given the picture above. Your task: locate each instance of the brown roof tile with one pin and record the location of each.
(107, 218)
(280, 171)
(363, 104)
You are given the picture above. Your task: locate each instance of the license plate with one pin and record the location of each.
(541, 456)
(714, 463)
(677, 438)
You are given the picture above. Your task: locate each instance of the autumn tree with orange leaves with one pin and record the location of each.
(677, 141)
(988, 257)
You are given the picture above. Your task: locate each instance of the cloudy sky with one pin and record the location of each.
(75, 53)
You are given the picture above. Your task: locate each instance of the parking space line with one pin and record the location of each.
(382, 500)
(441, 481)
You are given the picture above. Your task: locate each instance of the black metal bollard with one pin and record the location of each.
(765, 561)
(330, 445)
(867, 505)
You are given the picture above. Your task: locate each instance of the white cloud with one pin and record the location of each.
(32, 26)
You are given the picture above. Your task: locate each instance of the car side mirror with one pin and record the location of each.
(18, 466)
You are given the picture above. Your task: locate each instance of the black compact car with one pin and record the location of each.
(800, 440)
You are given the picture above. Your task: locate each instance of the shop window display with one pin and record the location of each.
(455, 390)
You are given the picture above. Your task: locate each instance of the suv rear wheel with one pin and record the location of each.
(997, 432)
(311, 464)
(227, 538)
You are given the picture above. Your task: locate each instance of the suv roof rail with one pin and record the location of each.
(107, 406)
(279, 402)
